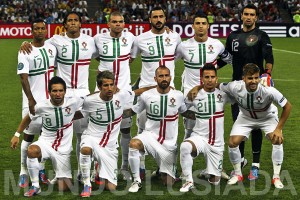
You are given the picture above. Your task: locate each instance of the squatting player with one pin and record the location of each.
(35, 70)
(249, 45)
(162, 105)
(55, 142)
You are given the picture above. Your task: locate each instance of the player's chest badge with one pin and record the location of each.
(172, 101)
(84, 46)
(124, 42)
(210, 49)
(168, 42)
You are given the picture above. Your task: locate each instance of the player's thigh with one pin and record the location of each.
(45, 148)
(35, 126)
(108, 159)
(214, 160)
(243, 126)
(269, 125)
(61, 164)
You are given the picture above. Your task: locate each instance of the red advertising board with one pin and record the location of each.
(217, 30)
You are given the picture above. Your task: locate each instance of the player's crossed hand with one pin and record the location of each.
(276, 137)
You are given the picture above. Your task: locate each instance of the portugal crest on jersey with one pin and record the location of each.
(84, 44)
(124, 42)
(172, 101)
(210, 49)
(251, 40)
(167, 40)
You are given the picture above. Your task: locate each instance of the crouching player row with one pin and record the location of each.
(257, 111)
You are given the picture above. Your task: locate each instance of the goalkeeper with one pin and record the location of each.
(250, 45)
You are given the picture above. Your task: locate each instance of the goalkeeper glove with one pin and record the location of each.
(266, 80)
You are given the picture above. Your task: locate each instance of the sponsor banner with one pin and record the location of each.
(217, 30)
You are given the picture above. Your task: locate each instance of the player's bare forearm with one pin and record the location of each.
(189, 114)
(284, 115)
(139, 91)
(24, 123)
(193, 92)
(128, 113)
(77, 115)
(269, 68)
(28, 93)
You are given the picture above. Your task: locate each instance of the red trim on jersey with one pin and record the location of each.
(212, 127)
(163, 124)
(200, 80)
(47, 79)
(254, 111)
(117, 65)
(110, 127)
(166, 58)
(74, 71)
(60, 135)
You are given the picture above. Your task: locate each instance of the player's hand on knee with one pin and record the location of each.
(277, 137)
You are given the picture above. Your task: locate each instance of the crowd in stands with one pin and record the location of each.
(138, 10)
(52, 10)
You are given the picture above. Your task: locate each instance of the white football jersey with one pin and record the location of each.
(156, 50)
(115, 55)
(209, 111)
(195, 55)
(39, 65)
(73, 59)
(162, 114)
(58, 122)
(256, 104)
(105, 116)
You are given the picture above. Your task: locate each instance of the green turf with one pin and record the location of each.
(286, 76)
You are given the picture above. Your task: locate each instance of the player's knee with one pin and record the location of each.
(135, 144)
(34, 151)
(186, 148)
(233, 142)
(86, 151)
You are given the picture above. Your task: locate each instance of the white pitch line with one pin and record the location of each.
(294, 52)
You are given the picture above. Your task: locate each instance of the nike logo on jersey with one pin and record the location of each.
(190, 50)
(36, 56)
(148, 43)
(152, 101)
(105, 42)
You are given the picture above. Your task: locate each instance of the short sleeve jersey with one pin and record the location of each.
(209, 111)
(162, 114)
(249, 47)
(73, 59)
(58, 122)
(156, 50)
(114, 56)
(195, 55)
(256, 104)
(105, 117)
(39, 65)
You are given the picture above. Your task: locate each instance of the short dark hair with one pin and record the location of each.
(250, 68)
(115, 13)
(56, 80)
(162, 67)
(155, 9)
(251, 6)
(104, 75)
(39, 20)
(208, 66)
(69, 13)
(200, 15)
